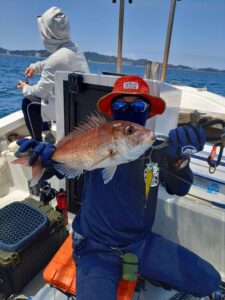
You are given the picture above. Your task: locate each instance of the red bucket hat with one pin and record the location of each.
(131, 85)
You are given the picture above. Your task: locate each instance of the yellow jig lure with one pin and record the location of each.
(148, 178)
(151, 177)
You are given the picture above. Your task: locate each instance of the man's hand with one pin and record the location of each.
(21, 84)
(41, 150)
(185, 141)
(29, 72)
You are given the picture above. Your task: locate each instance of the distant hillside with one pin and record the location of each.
(3, 51)
(35, 53)
(96, 57)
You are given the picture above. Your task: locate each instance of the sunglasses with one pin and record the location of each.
(137, 105)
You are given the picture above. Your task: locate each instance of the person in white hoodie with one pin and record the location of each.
(39, 102)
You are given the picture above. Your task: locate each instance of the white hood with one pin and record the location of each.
(65, 56)
(55, 28)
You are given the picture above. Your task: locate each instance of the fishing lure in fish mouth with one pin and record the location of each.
(151, 178)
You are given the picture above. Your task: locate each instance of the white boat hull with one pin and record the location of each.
(189, 221)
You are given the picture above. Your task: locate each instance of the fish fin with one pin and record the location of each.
(37, 169)
(22, 161)
(37, 173)
(108, 173)
(92, 121)
(67, 170)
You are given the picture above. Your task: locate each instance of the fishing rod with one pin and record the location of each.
(9, 89)
(14, 88)
(217, 204)
(218, 139)
(213, 203)
(165, 142)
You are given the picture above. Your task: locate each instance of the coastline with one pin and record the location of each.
(20, 55)
(89, 60)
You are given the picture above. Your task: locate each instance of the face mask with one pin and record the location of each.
(136, 111)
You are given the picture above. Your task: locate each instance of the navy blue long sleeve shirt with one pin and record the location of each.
(115, 213)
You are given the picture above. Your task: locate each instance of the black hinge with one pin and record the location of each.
(75, 83)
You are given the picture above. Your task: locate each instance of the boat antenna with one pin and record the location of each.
(120, 35)
(168, 38)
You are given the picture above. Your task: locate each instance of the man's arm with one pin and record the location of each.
(178, 182)
(44, 86)
(37, 67)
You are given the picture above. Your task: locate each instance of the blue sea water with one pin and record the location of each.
(12, 70)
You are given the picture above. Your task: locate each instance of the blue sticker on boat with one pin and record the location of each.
(211, 187)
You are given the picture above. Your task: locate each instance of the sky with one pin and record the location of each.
(198, 38)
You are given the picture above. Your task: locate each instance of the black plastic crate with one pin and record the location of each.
(18, 268)
(15, 231)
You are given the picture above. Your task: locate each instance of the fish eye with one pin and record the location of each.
(129, 130)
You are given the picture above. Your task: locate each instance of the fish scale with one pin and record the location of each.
(83, 149)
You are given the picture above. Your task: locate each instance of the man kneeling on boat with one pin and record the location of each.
(117, 218)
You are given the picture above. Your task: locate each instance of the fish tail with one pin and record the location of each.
(37, 169)
(22, 161)
(37, 172)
